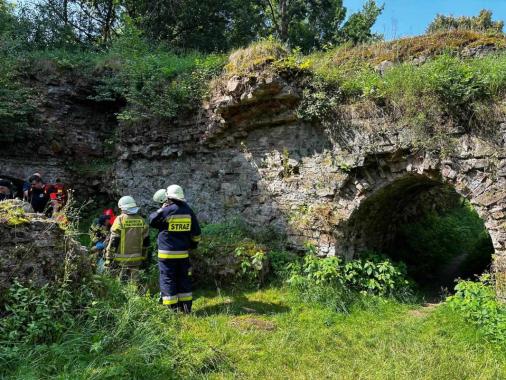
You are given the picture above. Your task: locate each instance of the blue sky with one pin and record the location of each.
(411, 17)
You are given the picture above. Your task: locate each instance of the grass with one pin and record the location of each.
(257, 56)
(266, 333)
(405, 49)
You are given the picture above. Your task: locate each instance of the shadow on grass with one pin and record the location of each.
(240, 305)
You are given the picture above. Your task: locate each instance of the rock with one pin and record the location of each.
(37, 251)
(384, 66)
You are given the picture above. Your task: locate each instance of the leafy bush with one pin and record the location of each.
(372, 275)
(334, 282)
(154, 81)
(112, 329)
(232, 253)
(16, 102)
(483, 22)
(442, 91)
(477, 302)
(35, 315)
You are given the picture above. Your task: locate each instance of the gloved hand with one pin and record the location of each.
(100, 246)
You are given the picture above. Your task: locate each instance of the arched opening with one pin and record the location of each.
(425, 224)
(17, 185)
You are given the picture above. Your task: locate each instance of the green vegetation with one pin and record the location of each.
(483, 23)
(444, 91)
(12, 214)
(208, 26)
(266, 333)
(155, 82)
(16, 103)
(352, 319)
(440, 237)
(335, 283)
(478, 303)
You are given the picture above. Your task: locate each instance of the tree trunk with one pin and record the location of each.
(66, 12)
(108, 20)
(283, 15)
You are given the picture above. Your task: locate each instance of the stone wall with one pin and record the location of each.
(37, 251)
(69, 134)
(247, 154)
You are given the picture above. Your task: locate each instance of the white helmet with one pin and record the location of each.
(126, 202)
(175, 192)
(160, 196)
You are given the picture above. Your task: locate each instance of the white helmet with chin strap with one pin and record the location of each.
(126, 202)
(175, 192)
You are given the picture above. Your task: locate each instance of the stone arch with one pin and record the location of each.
(16, 182)
(404, 176)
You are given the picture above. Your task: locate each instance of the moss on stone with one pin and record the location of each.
(12, 214)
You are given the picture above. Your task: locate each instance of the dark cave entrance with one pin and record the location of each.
(427, 225)
(17, 185)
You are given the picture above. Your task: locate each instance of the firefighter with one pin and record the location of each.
(129, 241)
(179, 231)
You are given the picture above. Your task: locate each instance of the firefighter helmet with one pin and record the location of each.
(175, 192)
(160, 196)
(126, 202)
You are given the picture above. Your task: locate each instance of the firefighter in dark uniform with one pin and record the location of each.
(179, 231)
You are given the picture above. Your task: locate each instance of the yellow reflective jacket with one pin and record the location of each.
(129, 240)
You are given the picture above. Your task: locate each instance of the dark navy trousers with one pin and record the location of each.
(176, 283)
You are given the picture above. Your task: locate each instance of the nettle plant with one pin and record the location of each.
(252, 261)
(477, 302)
(373, 274)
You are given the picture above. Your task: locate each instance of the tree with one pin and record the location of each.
(358, 27)
(312, 24)
(64, 23)
(205, 25)
(482, 23)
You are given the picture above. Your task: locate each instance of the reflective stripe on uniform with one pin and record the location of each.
(185, 296)
(169, 300)
(172, 254)
(129, 259)
(179, 223)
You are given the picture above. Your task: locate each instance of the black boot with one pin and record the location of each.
(186, 306)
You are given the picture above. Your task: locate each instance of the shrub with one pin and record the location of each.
(17, 105)
(483, 23)
(477, 302)
(109, 331)
(317, 279)
(232, 253)
(158, 83)
(35, 315)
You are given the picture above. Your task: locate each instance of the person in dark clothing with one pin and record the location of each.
(37, 194)
(178, 232)
(27, 185)
(6, 189)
